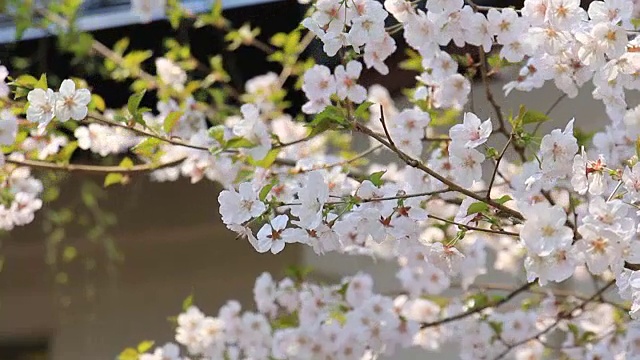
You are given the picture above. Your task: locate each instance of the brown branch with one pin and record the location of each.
(491, 304)
(142, 168)
(101, 119)
(450, 184)
(495, 169)
(469, 227)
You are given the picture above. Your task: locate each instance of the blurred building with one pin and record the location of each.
(170, 234)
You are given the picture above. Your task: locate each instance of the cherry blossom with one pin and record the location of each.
(346, 82)
(71, 103)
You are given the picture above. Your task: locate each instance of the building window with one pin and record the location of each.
(104, 14)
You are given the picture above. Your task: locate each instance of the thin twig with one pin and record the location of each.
(555, 103)
(469, 227)
(384, 126)
(491, 304)
(495, 169)
(615, 190)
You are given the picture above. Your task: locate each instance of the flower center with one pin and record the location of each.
(548, 231)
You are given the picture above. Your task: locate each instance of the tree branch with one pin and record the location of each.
(142, 168)
(417, 164)
(491, 304)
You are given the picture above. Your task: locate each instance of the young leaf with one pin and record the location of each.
(42, 83)
(239, 142)
(268, 160)
(145, 346)
(362, 110)
(187, 303)
(503, 199)
(113, 178)
(533, 117)
(97, 102)
(171, 120)
(265, 190)
(217, 132)
(128, 354)
(126, 163)
(376, 178)
(134, 102)
(477, 207)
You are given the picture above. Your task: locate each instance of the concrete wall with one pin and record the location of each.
(173, 245)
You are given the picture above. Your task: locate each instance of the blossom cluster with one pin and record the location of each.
(19, 195)
(359, 25)
(67, 103)
(303, 320)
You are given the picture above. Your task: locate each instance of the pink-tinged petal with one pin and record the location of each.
(353, 69)
(358, 94)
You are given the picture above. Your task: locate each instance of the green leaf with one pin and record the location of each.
(217, 132)
(126, 163)
(362, 111)
(477, 207)
(97, 102)
(171, 120)
(128, 354)
(534, 117)
(239, 142)
(113, 178)
(496, 326)
(134, 102)
(25, 81)
(583, 137)
(145, 346)
(268, 160)
(286, 321)
(216, 9)
(413, 61)
(503, 199)
(478, 301)
(444, 118)
(147, 147)
(492, 153)
(65, 154)
(187, 302)
(376, 178)
(574, 330)
(587, 337)
(121, 46)
(265, 190)
(42, 83)
(635, 22)
(298, 273)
